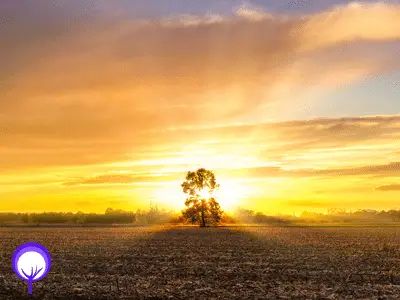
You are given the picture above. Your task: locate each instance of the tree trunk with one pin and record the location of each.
(203, 221)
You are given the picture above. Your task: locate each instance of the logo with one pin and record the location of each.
(31, 262)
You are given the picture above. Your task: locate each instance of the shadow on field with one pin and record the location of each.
(211, 263)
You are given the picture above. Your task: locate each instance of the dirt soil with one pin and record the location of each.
(208, 263)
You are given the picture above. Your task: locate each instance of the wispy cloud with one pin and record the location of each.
(104, 76)
(389, 187)
(81, 88)
(386, 170)
(291, 142)
(120, 179)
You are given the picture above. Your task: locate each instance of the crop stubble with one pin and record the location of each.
(209, 263)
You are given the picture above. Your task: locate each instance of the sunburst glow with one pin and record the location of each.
(205, 193)
(305, 117)
(229, 195)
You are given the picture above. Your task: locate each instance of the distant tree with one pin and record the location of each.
(35, 219)
(245, 215)
(109, 211)
(228, 218)
(25, 218)
(201, 206)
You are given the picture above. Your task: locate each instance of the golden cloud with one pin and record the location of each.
(105, 90)
(389, 187)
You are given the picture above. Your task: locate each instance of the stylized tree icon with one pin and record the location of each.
(33, 257)
(31, 277)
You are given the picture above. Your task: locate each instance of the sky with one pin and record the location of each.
(294, 105)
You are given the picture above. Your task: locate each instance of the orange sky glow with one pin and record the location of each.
(112, 113)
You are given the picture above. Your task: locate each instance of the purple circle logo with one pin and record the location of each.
(31, 262)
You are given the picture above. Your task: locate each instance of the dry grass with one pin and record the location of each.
(209, 263)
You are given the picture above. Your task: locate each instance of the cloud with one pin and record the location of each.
(307, 203)
(284, 142)
(386, 170)
(112, 179)
(389, 187)
(104, 75)
(119, 179)
(100, 202)
(391, 169)
(351, 22)
(79, 87)
(292, 136)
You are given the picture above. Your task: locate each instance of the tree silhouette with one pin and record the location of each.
(201, 206)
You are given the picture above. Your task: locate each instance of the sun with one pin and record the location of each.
(204, 193)
(229, 195)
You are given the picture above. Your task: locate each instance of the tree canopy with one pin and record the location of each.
(202, 207)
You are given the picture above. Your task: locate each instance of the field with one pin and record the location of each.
(209, 263)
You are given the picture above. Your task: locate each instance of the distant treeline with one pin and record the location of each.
(110, 216)
(161, 216)
(247, 216)
(333, 215)
(362, 215)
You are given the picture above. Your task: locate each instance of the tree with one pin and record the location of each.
(215, 210)
(201, 205)
(25, 218)
(109, 211)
